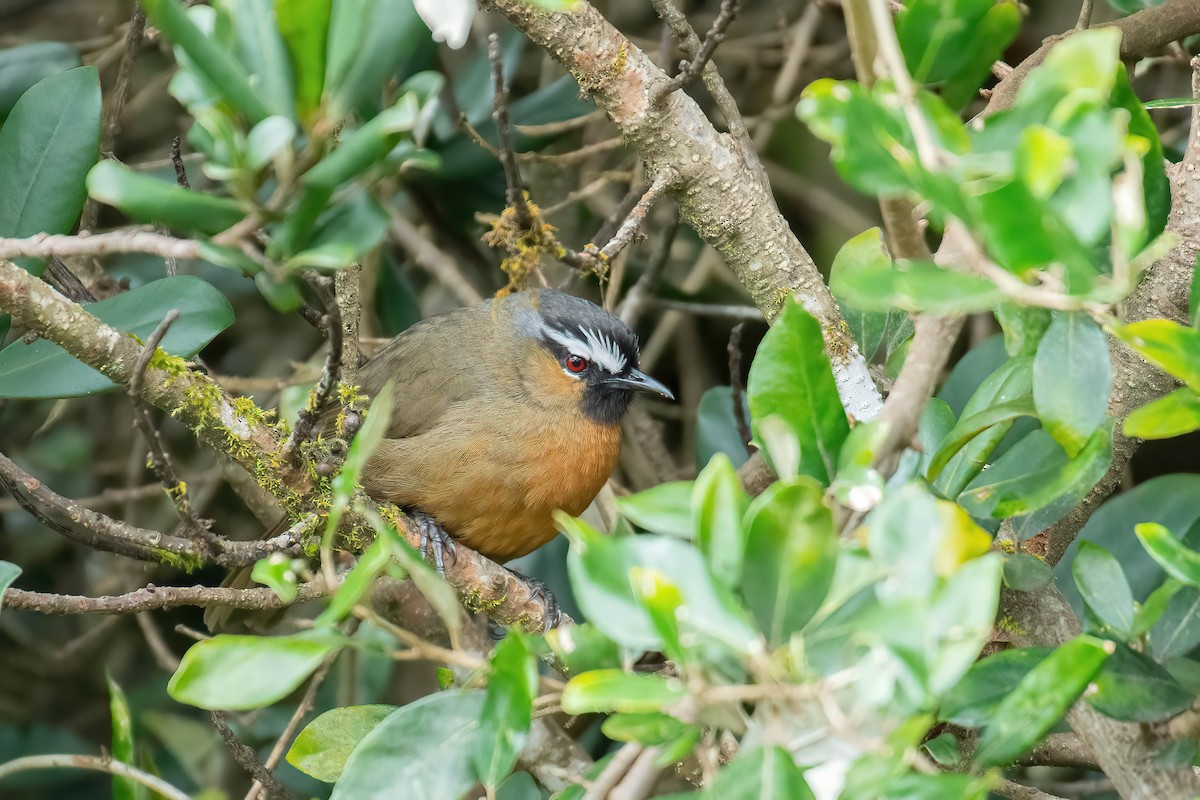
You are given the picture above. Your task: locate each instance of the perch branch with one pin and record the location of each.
(96, 764)
(156, 598)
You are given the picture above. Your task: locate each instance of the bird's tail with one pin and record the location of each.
(220, 617)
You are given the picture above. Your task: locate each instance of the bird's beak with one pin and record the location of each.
(639, 381)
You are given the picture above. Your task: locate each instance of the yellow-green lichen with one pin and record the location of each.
(525, 246)
(185, 562)
(1010, 626)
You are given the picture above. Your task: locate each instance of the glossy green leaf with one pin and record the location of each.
(1045, 159)
(261, 51)
(615, 690)
(49, 142)
(1132, 688)
(148, 199)
(279, 572)
(519, 786)
(760, 773)
(865, 250)
(1166, 343)
(369, 41)
(583, 647)
(421, 750)
(268, 139)
(243, 672)
(1102, 583)
(944, 750)
(1173, 415)
(664, 509)
(1177, 631)
(1086, 60)
(322, 748)
(26, 64)
(1156, 187)
(1180, 561)
(649, 728)
(718, 503)
(913, 286)
(961, 617)
(1072, 376)
(717, 427)
(1023, 327)
(344, 234)
(791, 380)
(1041, 699)
(122, 743)
(8, 573)
(1147, 615)
(974, 699)
(357, 582)
(971, 426)
(304, 25)
(43, 369)
(791, 552)
(662, 602)
(435, 588)
(216, 65)
(507, 709)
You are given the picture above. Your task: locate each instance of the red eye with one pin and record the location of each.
(576, 364)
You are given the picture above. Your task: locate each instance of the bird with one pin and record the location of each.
(506, 412)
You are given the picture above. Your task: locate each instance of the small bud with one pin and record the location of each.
(324, 469)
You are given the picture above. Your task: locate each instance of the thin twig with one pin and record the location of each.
(515, 193)
(153, 598)
(97, 764)
(736, 385)
(741, 313)
(318, 399)
(613, 771)
(181, 177)
(305, 706)
(158, 647)
(1085, 16)
(640, 779)
(690, 70)
(245, 757)
(591, 256)
(584, 192)
(160, 462)
(60, 276)
(437, 262)
(45, 245)
(631, 307)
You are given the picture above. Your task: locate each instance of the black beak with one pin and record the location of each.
(638, 381)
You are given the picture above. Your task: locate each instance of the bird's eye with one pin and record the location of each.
(576, 364)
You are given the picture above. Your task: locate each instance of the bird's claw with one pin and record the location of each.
(435, 542)
(538, 590)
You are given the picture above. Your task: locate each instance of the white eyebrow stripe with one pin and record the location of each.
(595, 347)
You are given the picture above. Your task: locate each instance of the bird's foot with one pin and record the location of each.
(538, 590)
(436, 543)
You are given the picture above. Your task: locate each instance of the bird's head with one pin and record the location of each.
(594, 354)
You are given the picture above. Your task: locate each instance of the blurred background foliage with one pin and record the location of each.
(54, 693)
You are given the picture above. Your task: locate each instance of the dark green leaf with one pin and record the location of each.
(323, 746)
(122, 743)
(1150, 612)
(519, 786)
(717, 428)
(1177, 631)
(718, 504)
(344, 234)
(1132, 688)
(421, 750)
(261, 50)
(791, 552)
(8, 573)
(47, 146)
(304, 25)
(1023, 327)
(664, 509)
(244, 672)
(368, 41)
(1072, 375)
(791, 380)
(1102, 583)
(1040, 699)
(24, 65)
(216, 65)
(615, 690)
(43, 369)
(943, 749)
(1026, 573)
(863, 251)
(1180, 561)
(147, 199)
(973, 701)
(1173, 415)
(507, 709)
(971, 426)
(761, 773)
(357, 582)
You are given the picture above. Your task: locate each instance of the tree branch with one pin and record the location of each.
(96, 764)
(156, 598)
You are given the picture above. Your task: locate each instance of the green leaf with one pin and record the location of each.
(344, 234)
(1150, 612)
(1171, 102)
(1167, 344)
(1132, 688)
(791, 379)
(304, 25)
(649, 728)
(369, 40)
(1023, 327)
(1040, 699)
(24, 65)
(243, 672)
(717, 428)
(122, 743)
(971, 426)
(961, 619)
(216, 65)
(791, 552)
(1072, 376)
(1173, 415)
(583, 647)
(1177, 631)
(974, 699)
(760, 773)
(421, 750)
(8, 573)
(148, 199)
(1156, 187)
(507, 709)
(1026, 573)
(260, 49)
(1102, 584)
(874, 285)
(47, 146)
(322, 748)
(617, 690)
(943, 749)
(1180, 561)
(433, 587)
(279, 573)
(664, 509)
(662, 601)
(864, 251)
(718, 504)
(43, 369)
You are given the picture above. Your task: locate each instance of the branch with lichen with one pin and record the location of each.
(241, 430)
